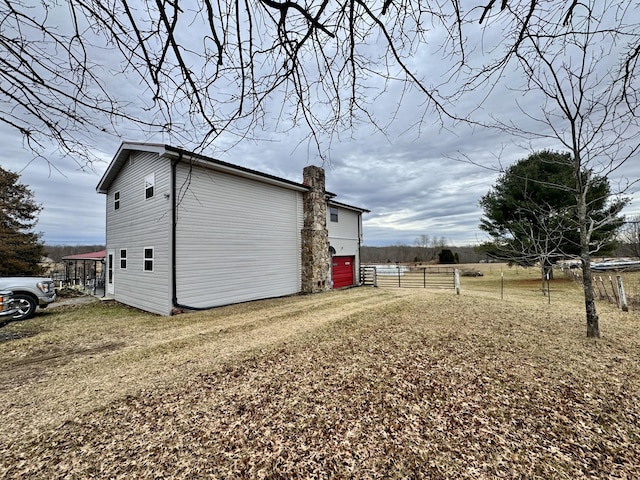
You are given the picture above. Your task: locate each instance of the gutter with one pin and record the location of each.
(174, 223)
(359, 249)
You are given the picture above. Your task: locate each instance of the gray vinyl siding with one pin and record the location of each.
(137, 224)
(344, 235)
(237, 239)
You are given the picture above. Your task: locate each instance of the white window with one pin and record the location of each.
(149, 183)
(116, 201)
(148, 259)
(123, 258)
(334, 214)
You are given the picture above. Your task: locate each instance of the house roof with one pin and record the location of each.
(87, 256)
(179, 154)
(348, 207)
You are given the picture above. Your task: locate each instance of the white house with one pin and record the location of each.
(188, 232)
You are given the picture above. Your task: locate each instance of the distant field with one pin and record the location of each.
(361, 383)
(501, 278)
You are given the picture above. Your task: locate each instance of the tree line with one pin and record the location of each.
(419, 255)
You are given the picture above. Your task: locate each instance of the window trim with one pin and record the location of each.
(333, 214)
(149, 185)
(148, 260)
(123, 259)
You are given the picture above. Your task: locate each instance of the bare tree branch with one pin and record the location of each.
(206, 68)
(587, 104)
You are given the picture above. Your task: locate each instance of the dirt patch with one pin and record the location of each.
(68, 292)
(72, 301)
(36, 367)
(7, 336)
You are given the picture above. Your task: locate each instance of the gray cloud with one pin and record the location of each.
(407, 176)
(412, 186)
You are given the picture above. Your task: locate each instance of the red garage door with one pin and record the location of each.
(342, 271)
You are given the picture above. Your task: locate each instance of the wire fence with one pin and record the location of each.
(618, 288)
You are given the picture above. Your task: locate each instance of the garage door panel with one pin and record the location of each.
(342, 271)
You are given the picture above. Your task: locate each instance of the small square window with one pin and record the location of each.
(116, 201)
(123, 258)
(148, 259)
(149, 183)
(334, 214)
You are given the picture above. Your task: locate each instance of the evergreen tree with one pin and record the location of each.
(446, 256)
(531, 212)
(21, 249)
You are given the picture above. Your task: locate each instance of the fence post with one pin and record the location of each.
(456, 280)
(622, 295)
(605, 294)
(614, 290)
(548, 288)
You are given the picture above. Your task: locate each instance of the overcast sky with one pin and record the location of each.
(409, 180)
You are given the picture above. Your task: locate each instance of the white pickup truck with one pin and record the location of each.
(28, 294)
(6, 305)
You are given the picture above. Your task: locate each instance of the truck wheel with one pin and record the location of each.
(26, 306)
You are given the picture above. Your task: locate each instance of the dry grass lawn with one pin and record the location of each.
(360, 383)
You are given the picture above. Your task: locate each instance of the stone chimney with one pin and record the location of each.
(315, 237)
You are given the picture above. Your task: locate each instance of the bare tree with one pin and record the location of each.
(630, 236)
(199, 69)
(428, 247)
(536, 236)
(587, 105)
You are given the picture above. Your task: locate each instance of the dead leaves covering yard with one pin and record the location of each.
(429, 385)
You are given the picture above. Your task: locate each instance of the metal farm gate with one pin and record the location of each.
(407, 276)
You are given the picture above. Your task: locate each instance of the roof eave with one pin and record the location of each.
(236, 170)
(348, 207)
(168, 151)
(121, 156)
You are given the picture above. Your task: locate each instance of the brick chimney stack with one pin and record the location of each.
(315, 237)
